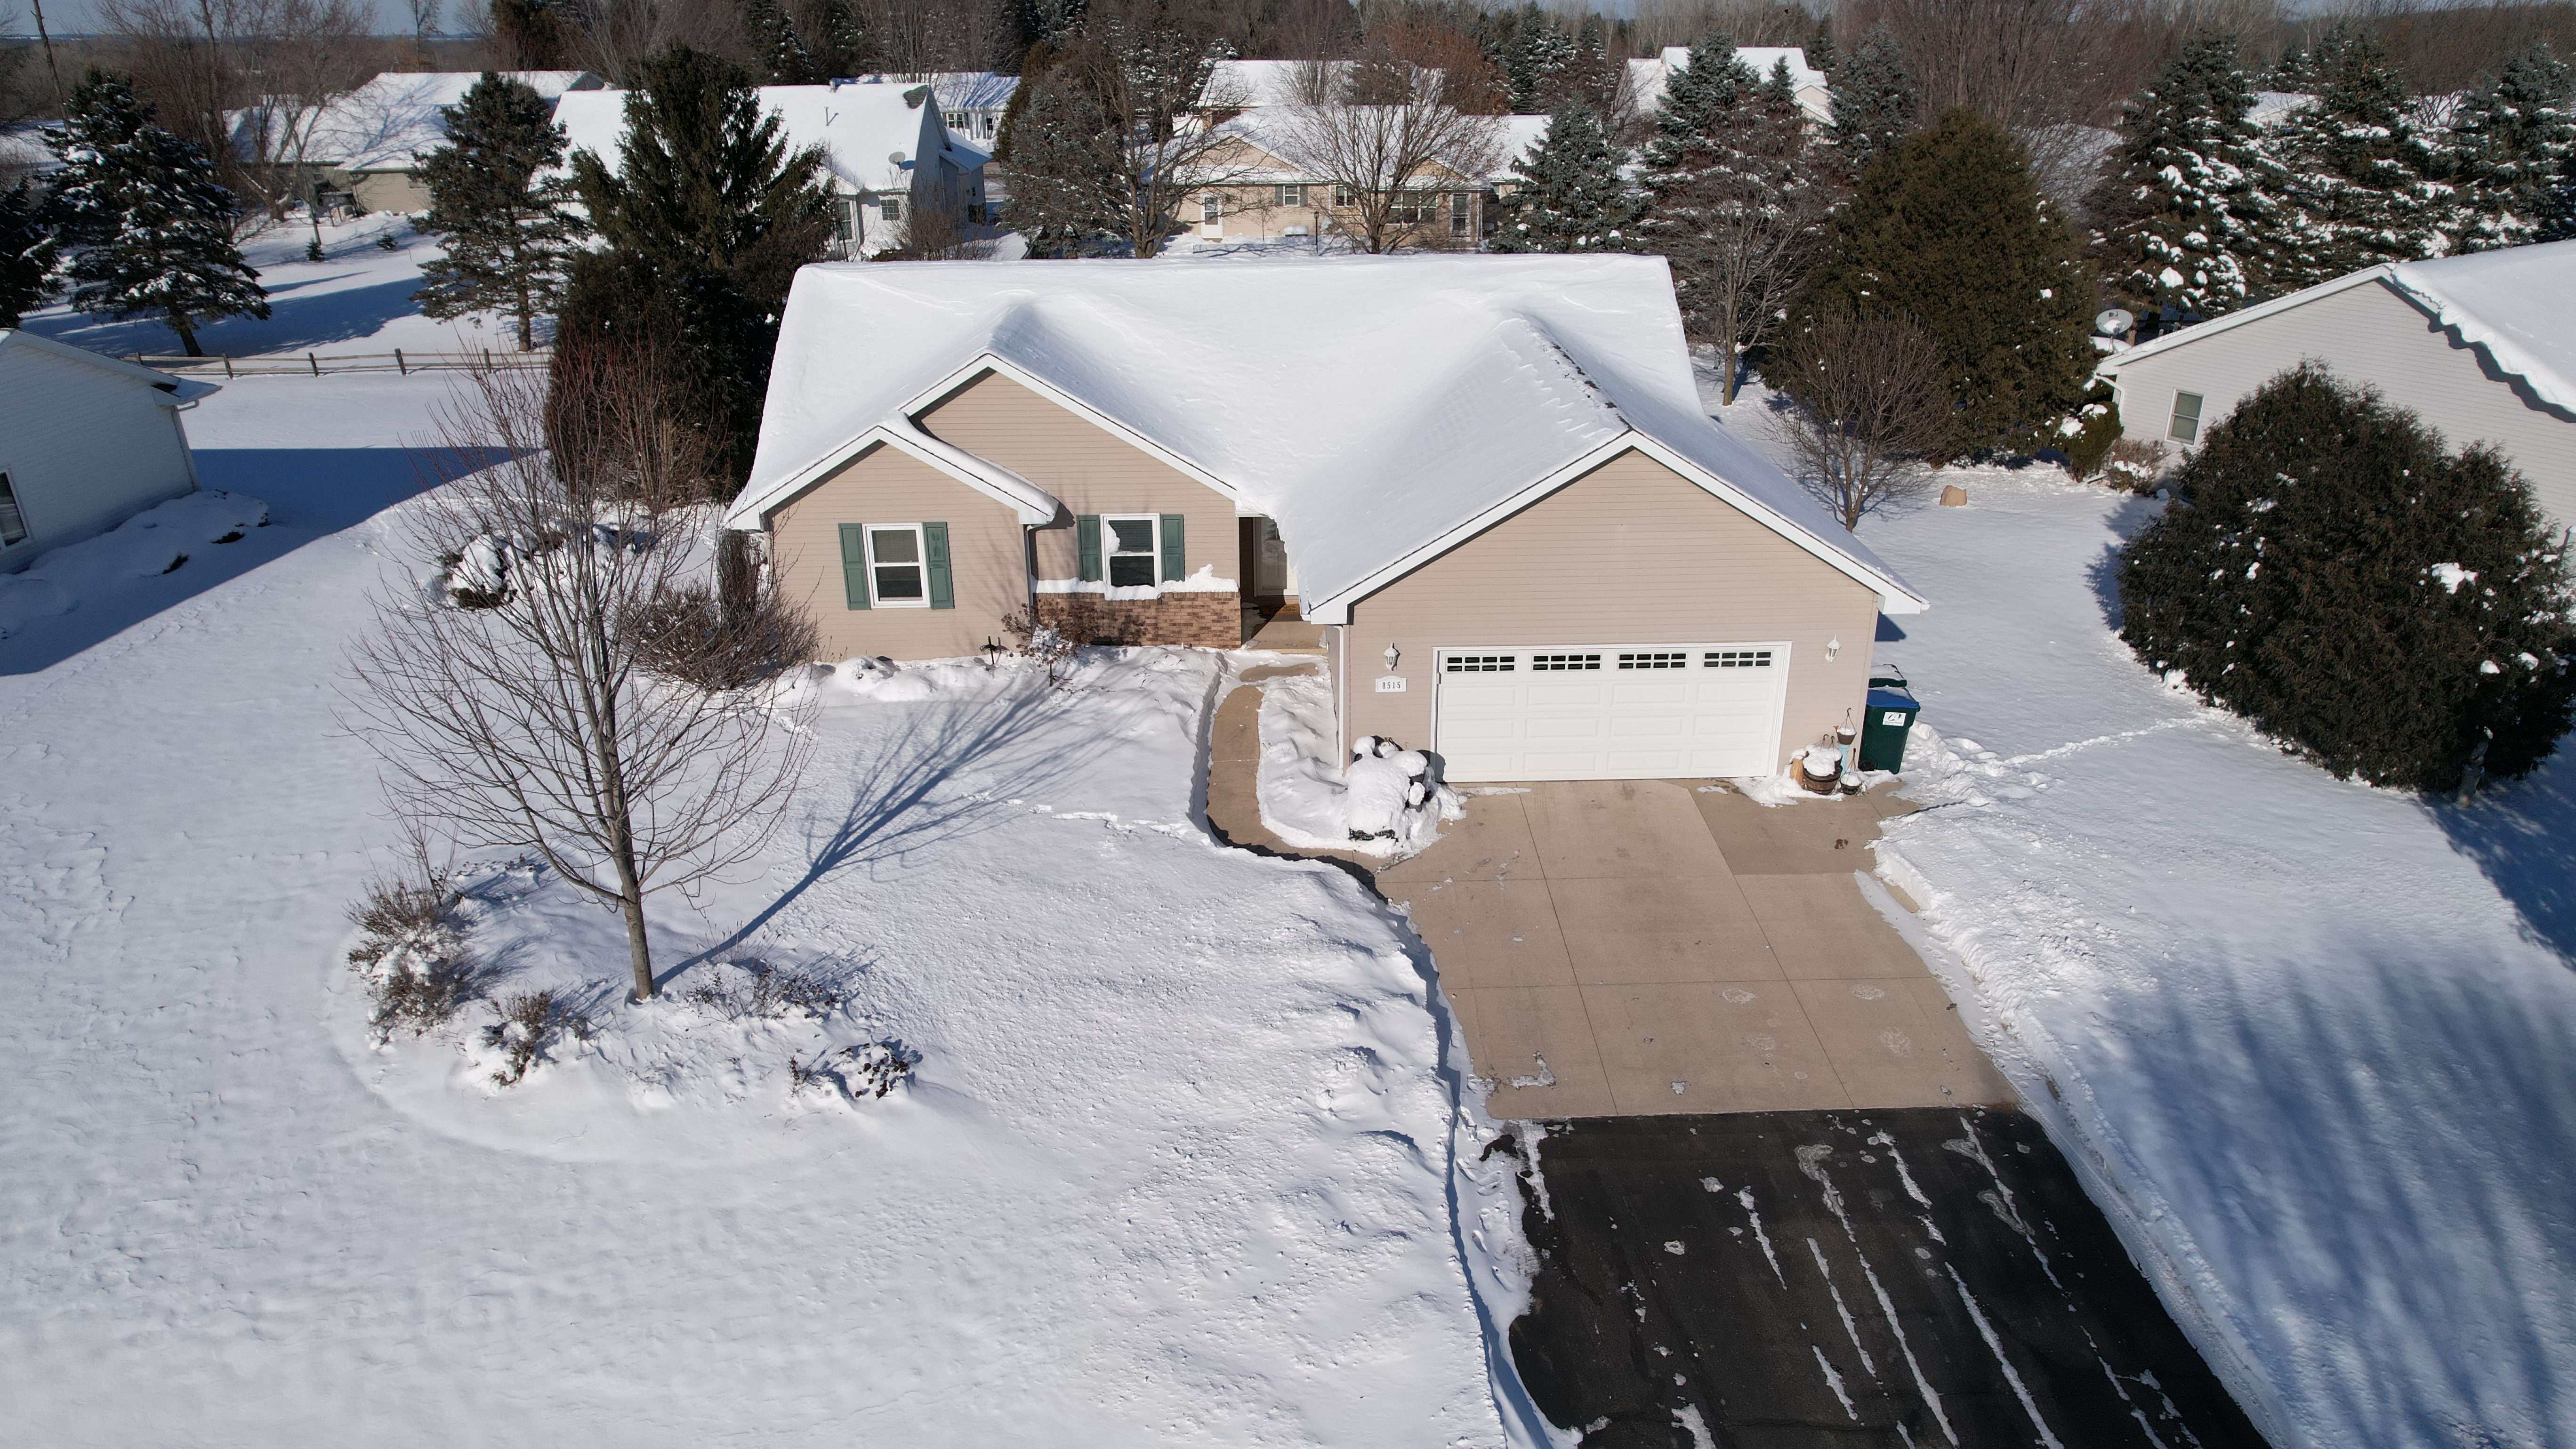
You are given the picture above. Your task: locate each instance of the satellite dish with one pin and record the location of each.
(2115, 321)
(895, 157)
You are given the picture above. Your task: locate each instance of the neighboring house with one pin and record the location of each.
(2481, 346)
(86, 442)
(1647, 78)
(1492, 478)
(885, 149)
(1264, 196)
(368, 144)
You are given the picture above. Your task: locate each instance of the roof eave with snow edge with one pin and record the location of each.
(1033, 505)
(2508, 355)
(2201, 331)
(174, 390)
(1893, 596)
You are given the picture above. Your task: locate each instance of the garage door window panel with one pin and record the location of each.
(1619, 712)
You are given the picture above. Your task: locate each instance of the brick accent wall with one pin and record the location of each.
(1208, 620)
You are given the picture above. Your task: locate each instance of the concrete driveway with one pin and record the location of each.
(1629, 947)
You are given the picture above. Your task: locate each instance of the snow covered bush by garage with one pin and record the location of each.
(1383, 800)
(1173, 1162)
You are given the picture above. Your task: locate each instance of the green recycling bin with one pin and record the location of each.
(1886, 723)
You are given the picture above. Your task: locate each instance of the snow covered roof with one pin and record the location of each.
(871, 134)
(1647, 78)
(1251, 84)
(22, 150)
(178, 389)
(2518, 303)
(1382, 409)
(1271, 129)
(383, 124)
(2272, 107)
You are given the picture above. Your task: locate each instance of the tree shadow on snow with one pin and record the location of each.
(897, 805)
(2519, 833)
(298, 320)
(2126, 521)
(311, 493)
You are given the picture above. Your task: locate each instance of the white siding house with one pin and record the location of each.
(368, 143)
(2479, 346)
(885, 149)
(86, 442)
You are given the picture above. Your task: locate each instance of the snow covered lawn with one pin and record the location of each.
(2313, 1038)
(1176, 1165)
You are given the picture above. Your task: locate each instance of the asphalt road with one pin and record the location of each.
(1923, 1277)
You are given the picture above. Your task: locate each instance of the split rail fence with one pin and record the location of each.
(315, 364)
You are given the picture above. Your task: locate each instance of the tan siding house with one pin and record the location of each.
(2413, 331)
(1491, 479)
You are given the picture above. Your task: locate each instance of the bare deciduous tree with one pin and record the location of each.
(513, 706)
(1408, 125)
(1142, 72)
(1868, 407)
(245, 79)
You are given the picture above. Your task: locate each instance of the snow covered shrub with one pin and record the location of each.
(2134, 464)
(752, 991)
(530, 1022)
(872, 1070)
(2385, 606)
(692, 635)
(478, 574)
(1053, 629)
(2087, 437)
(411, 955)
(1388, 792)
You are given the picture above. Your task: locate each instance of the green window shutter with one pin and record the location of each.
(1176, 558)
(1086, 543)
(854, 564)
(934, 560)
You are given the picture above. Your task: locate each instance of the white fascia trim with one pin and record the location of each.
(995, 362)
(2508, 356)
(2110, 366)
(1034, 505)
(173, 390)
(1893, 597)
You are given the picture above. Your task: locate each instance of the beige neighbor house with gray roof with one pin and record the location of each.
(1490, 480)
(2482, 347)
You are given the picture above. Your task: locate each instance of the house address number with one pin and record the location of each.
(1390, 684)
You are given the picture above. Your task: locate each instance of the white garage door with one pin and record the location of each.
(1614, 712)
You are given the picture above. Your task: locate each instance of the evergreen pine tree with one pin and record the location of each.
(2507, 150)
(2558, 206)
(2184, 215)
(1572, 197)
(706, 220)
(2336, 575)
(27, 253)
(150, 230)
(1732, 202)
(2356, 171)
(1948, 230)
(1874, 102)
(529, 34)
(508, 219)
(847, 49)
(782, 50)
(1537, 59)
(1821, 56)
(1064, 164)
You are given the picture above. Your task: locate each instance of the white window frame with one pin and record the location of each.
(2174, 419)
(1461, 213)
(889, 208)
(953, 120)
(18, 505)
(920, 564)
(1211, 208)
(1109, 553)
(1292, 193)
(1345, 197)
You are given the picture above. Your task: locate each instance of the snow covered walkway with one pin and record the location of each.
(2308, 1039)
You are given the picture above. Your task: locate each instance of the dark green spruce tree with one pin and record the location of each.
(706, 218)
(2184, 216)
(2508, 149)
(27, 253)
(1948, 231)
(1572, 197)
(782, 51)
(2356, 168)
(149, 231)
(2383, 605)
(1874, 102)
(843, 45)
(507, 217)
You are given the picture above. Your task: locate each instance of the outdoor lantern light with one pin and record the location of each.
(1392, 654)
(1833, 647)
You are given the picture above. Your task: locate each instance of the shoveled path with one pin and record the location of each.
(1916, 1277)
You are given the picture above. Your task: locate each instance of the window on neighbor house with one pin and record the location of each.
(845, 219)
(1459, 202)
(1292, 195)
(953, 120)
(890, 208)
(894, 567)
(1134, 550)
(1211, 208)
(2185, 427)
(984, 125)
(13, 524)
(1344, 197)
(1412, 208)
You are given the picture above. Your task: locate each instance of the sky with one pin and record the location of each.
(74, 17)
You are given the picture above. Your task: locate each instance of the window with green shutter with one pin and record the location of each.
(854, 564)
(1176, 558)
